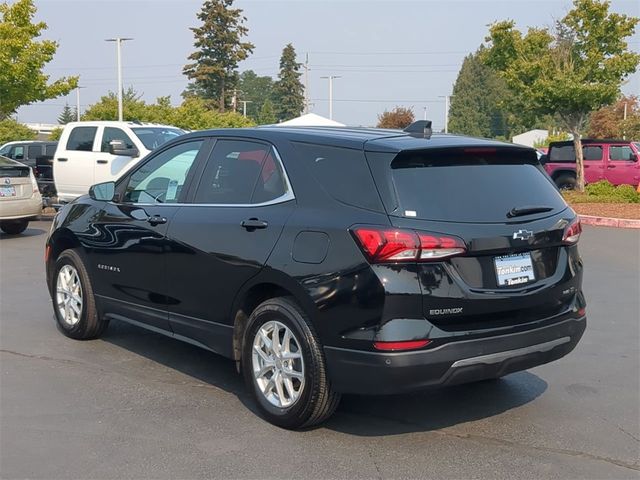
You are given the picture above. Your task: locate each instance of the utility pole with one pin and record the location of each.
(425, 113)
(331, 78)
(306, 83)
(78, 102)
(244, 106)
(234, 100)
(447, 102)
(118, 41)
(624, 117)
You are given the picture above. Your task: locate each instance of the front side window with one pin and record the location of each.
(241, 172)
(81, 139)
(110, 134)
(621, 153)
(161, 179)
(17, 153)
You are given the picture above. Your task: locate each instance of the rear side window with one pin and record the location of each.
(50, 150)
(566, 153)
(460, 185)
(81, 139)
(342, 172)
(592, 153)
(34, 151)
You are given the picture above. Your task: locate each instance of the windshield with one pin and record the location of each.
(153, 137)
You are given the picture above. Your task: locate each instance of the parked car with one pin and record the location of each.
(617, 161)
(329, 260)
(85, 154)
(39, 156)
(20, 200)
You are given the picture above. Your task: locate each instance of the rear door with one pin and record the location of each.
(224, 237)
(74, 163)
(623, 166)
(506, 211)
(594, 162)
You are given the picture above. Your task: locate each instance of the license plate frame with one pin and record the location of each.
(7, 191)
(515, 269)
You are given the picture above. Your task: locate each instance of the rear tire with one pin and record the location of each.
(566, 181)
(73, 300)
(14, 227)
(295, 357)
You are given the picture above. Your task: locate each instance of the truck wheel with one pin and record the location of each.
(284, 368)
(73, 301)
(14, 227)
(566, 181)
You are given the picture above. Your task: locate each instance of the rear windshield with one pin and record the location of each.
(461, 185)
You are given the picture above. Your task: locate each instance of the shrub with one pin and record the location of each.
(11, 130)
(601, 188)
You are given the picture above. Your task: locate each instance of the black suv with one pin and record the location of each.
(329, 260)
(39, 156)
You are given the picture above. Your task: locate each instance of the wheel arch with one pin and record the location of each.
(564, 171)
(61, 240)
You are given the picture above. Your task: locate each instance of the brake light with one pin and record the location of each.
(572, 232)
(395, 346)
(34, 182)
(381, 244)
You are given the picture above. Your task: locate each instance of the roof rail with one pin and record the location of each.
(420, 129)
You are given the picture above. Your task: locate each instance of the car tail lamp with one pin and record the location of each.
(398, 346)
(34, 182)
(381, 245)
(572, 232)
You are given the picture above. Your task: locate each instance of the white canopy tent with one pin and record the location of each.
(310, 120)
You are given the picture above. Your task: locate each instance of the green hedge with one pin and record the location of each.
(604, 192)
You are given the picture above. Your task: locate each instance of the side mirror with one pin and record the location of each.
(119, 148)
(103, 191)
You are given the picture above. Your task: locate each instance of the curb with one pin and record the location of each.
(609, 222)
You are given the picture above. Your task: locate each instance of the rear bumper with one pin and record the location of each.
(14, 209)
(362, 372)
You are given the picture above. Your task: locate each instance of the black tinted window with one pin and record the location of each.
(50, 150)
(592, 153)
(34, 151)
(110, 134)
(241, 172)
(160, 180)
(567, 153)
(461, 187)
(342, 172)
(81, 138)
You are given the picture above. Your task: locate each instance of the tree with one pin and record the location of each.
(22, 60)
(476, 102)
(256, 90)
(569, 72)
(288, 91)
(267, 115)
(608, 122)
(67, 115)
(11, 130)
(55, 134)
(399, 117)
(219, 50)
(133, 107)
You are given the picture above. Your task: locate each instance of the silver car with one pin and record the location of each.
(20, 200)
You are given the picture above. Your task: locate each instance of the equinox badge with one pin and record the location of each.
(522, 235)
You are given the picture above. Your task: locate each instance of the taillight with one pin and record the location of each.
(405, 345)
(34, 182)
(381, 244)
(572, 232)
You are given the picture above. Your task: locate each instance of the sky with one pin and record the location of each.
(387, 53)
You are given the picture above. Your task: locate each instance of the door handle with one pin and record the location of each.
(62, 159)
(253, 224)
(102, 162)
(611, 166)
(154, 220)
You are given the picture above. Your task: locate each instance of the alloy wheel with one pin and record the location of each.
(69, 295)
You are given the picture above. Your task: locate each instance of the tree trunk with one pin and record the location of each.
(577, 144)
(222, 93)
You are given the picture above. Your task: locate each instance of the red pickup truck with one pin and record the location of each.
(617, 161)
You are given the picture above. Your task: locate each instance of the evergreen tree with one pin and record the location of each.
(476, 103)
(288, 91)
(67, 115)
(254, 89)
(220, 48)
(267, 115)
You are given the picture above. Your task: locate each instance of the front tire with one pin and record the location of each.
(73, 300)
(284, 366)
(14, 227)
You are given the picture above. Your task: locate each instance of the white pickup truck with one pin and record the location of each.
(86, 154)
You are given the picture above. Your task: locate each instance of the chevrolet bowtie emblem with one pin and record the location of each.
(522, 235)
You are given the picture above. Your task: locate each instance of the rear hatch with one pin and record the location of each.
(503, 207)
(15, 180)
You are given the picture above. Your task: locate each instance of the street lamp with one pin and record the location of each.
(118, 41)
(331, 77)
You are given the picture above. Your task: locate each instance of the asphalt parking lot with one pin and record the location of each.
(135, 404)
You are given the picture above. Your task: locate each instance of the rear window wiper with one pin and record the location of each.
(528, 210)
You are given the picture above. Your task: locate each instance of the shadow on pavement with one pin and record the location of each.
(29, 232)
(356, 415)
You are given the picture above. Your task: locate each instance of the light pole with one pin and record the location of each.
(447, 102)
(244, 106)
(78, 102)
(331, 77)
(118, 41)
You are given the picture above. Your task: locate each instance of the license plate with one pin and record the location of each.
(514, 269)
(9, 191)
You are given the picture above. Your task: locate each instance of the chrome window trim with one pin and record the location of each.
(286, 197)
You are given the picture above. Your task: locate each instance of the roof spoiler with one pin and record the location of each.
(420, 129)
